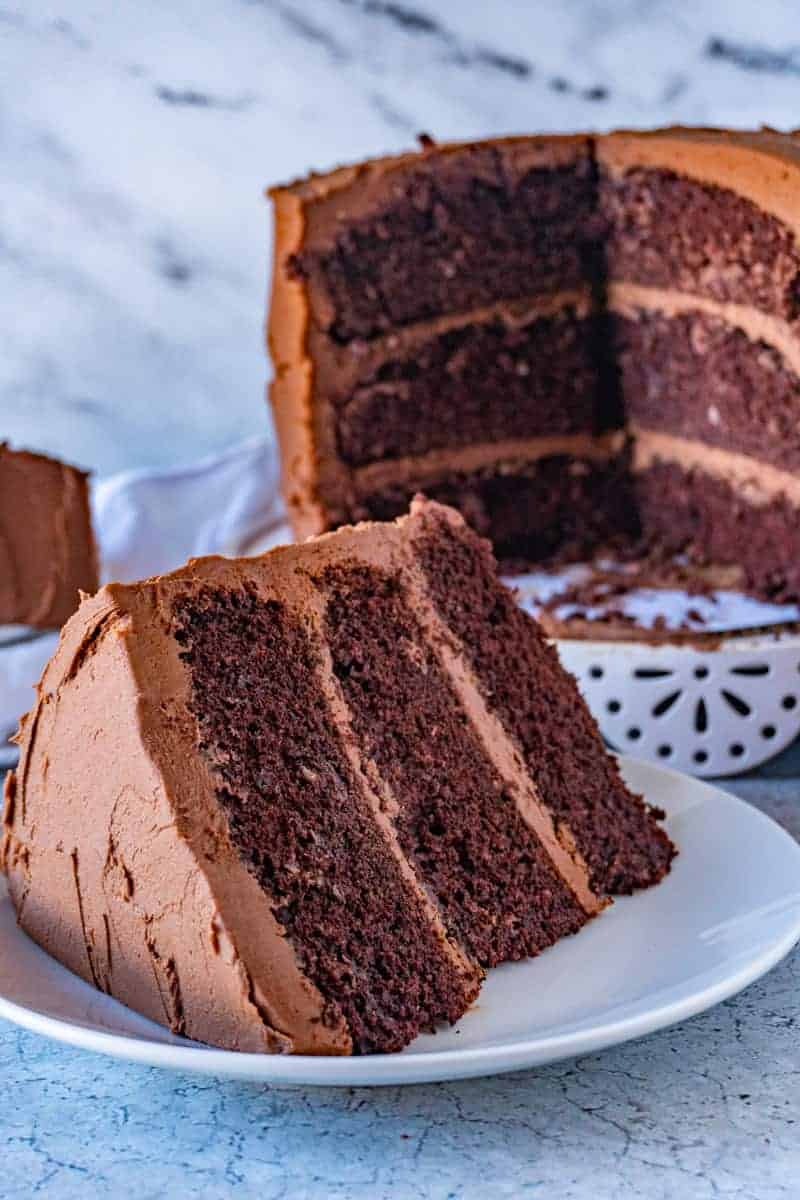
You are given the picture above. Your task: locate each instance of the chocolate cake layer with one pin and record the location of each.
(498, 379)
(456, 821)
(695, 375)
(47, 550)
(298, 820)
(523, 681)
(449, 232)
(686, 510)
(555, 507)
(667, 230)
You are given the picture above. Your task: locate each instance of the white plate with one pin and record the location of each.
(728, 911)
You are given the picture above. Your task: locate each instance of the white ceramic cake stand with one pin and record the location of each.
(715, 711)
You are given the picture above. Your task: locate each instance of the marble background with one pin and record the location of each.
(135, 142)
(136, 139)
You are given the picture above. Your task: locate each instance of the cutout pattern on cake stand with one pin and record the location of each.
(709, 712)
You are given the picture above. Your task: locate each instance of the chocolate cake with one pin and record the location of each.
(577, 341)
(47, 551)
(300, 803)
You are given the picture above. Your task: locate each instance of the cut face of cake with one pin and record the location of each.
(703, 268)
(47, 551)
(578, 342)
(300, 803)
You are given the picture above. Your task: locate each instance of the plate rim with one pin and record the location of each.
(436, 1065)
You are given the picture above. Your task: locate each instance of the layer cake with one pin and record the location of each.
(579, 342)
(340, 781)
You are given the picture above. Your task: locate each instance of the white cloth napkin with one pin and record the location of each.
(148, 522)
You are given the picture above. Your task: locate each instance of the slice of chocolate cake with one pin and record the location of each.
(300, 803)
(577, 341)
(47, 551)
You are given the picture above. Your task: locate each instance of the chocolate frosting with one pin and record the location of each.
(756, 482)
